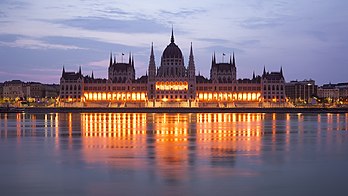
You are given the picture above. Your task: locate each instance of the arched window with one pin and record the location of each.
(273, 87)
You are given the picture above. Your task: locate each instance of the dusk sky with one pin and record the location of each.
(309, 39)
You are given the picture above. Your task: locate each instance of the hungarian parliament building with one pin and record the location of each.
(172, 84)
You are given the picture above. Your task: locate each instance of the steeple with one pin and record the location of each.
(172, 38)
(114, 59)
(80, 72)
(130, 58)
(214, 59)
(92, 75)
(133, 61)
(191, 59)
(231, 59)
(253, 74)
(63, 71)
(152, 65)
(281, 70)
(264, 71)
(234, 61)
(110, 59)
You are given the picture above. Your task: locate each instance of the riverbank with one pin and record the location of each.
(170, 110)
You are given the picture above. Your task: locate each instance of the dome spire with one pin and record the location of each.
(172, 38)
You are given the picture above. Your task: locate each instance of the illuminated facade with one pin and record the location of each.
(172, 84)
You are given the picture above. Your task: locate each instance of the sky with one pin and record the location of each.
(308, 39)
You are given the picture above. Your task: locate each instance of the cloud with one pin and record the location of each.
(38, 45)
(112, 25)
(258, 22)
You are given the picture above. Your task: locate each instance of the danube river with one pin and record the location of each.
(173, 154)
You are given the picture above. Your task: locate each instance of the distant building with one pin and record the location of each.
(17, 89)
(329, 91)
(1, 90)
(301, 91)
(13, 89)
(34, 90)
(51, 90)
(172, 84)
(343, 90)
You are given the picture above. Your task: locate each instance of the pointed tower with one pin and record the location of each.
(110, 64)
(63, 72)
(192, 76)
(254, 75)
(152, 65)
(214, 70)
(234, 60)
(114, 59)
(80, 72)
(281, 71)
(130, 58)
(264, 71)
(172, 37)
(92, 75)
(234, 70)
(151, 79)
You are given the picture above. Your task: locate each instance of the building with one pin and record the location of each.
(172, 84)
(51, 91)
(301, 91)
(343, 90)
(13, 89)
(1, 90)
(34, 90)
(273, 87)
(329, 91)
(30, 91)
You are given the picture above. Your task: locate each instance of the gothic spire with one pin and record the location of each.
(253, 74)
(281, 70)
(191, 58)
(133, 61)
(130, 58)
(231, 59)
(92, 75)
(264, 71)
(63, 71)
(214, 59)
(110, 59)
(234, 61)
(80, 72)
(115, 59)
(152, 57)
(172, 38)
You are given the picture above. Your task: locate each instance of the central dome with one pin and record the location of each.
(172, 50)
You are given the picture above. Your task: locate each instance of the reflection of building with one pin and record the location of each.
(172, 84)
(301, 91)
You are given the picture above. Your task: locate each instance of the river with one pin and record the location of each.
(173, 154)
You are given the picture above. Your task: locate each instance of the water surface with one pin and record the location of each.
(173, 154)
